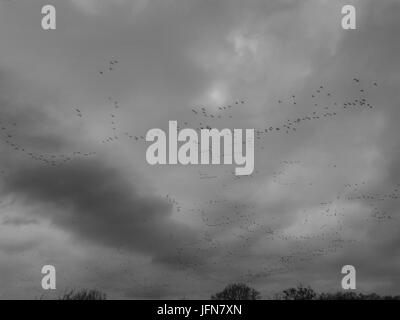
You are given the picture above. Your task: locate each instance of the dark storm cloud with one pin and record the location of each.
(97, 203)
(86, 197)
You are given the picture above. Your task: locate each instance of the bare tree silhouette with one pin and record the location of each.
(298, 293)
(237, 291)
(83, 294)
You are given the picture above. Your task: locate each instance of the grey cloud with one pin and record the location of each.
(18, 221)
(95, 202)
(87, 197)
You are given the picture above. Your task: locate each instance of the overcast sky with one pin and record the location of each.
(76, 190)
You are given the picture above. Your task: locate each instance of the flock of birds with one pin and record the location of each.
(110, 67)
(244, 223)
(231, 228)
(321, 232)
(10, 137)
